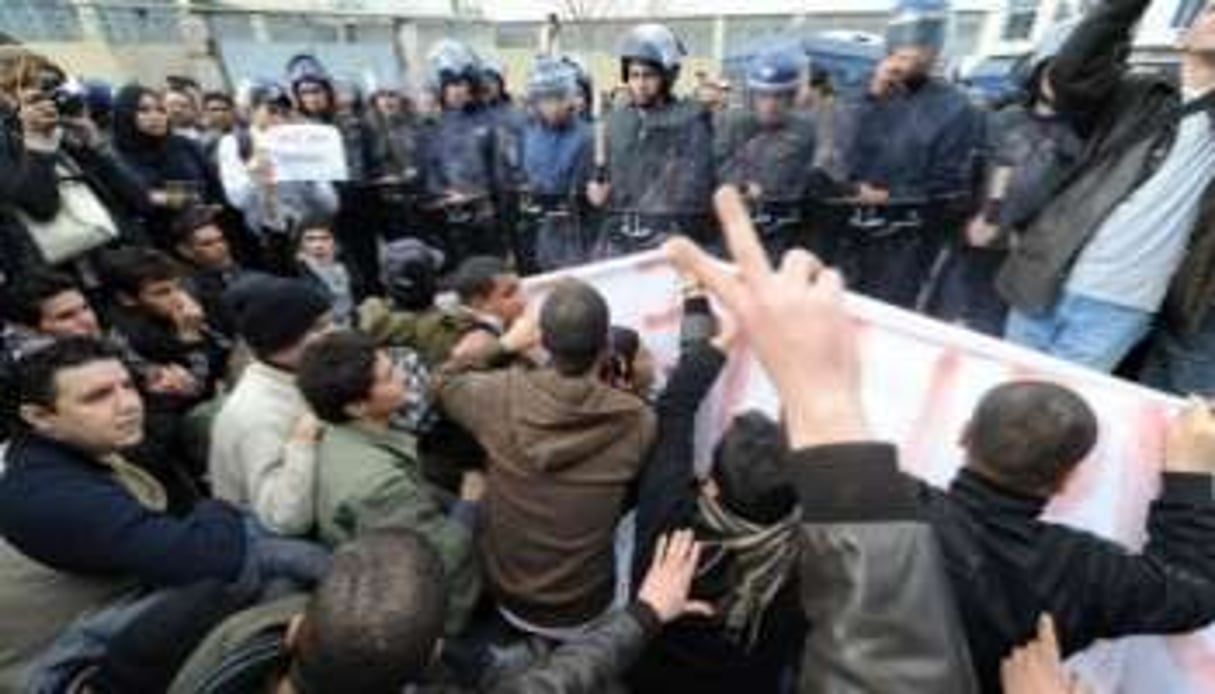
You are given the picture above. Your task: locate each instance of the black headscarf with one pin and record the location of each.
(155, 160)
(129, 140)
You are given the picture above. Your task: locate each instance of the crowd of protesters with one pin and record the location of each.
(265, 435)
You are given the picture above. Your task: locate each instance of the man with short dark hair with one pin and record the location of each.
(374, 626)
(1030, 435)
(41, 306)
(368, 475)
(563, 449)
(218, 119)
(1008, 566)
(490, 293)
(81, 526)
(163, 324)
(38, 308)
(199, 240)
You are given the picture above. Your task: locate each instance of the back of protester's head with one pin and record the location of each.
(475, 279)
(25, 299)
(126, 271)
(574, 326)
(337, 371)
(375, 621)
(411, 274)
(749, 468)
(274, 314)
(1030, 435)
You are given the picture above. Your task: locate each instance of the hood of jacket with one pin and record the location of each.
(560, 421)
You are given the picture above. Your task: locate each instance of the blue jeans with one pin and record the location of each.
(1183, 364)
(1081, 329)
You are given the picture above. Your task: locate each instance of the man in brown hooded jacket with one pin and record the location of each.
(563, 449)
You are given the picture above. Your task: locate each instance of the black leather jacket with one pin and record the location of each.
(1129, 121)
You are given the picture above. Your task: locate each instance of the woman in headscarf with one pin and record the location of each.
(172, 169)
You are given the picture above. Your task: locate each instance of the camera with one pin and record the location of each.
(68, 96)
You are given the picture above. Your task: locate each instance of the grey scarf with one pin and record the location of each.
(763, 558)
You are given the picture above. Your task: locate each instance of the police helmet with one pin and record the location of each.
(452, 61)
(921, 23)
(655, 44)
(552, 77)
(776, 72)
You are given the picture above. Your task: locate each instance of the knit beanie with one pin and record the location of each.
(274, 313)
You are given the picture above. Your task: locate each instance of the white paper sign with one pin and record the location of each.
(305, 152)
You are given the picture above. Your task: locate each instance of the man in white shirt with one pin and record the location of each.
(263, 443)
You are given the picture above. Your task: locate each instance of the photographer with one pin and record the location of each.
(62, 195)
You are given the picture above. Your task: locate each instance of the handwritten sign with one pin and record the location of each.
(306, 152)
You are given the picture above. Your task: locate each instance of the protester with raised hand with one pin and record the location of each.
(869, 566)
(1025, 440)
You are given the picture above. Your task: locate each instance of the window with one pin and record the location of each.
(1187, 10)
(300, 29)
(40, 20)
(141, 24)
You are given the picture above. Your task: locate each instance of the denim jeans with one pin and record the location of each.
(82, 645)
(1183, 364)
(1080, 329)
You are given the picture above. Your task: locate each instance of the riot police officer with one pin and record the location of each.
(659, 158)
(461, 160)
(767, 149)
(912, 158)
(508, 121)
(557, 163)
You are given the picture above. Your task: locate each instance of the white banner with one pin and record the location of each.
(922, 379)
(305, 152)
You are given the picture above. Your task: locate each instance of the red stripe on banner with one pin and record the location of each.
(1197, 661)
(933, 416)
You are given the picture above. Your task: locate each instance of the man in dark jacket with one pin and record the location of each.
(199, 240)
(912, 158)
(375, 623)
(1008, 566)
(557, 153)
(768, 148)
(461, 171)
(743, 508)
(659, 151)
(1094, 266)
(82, 527)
